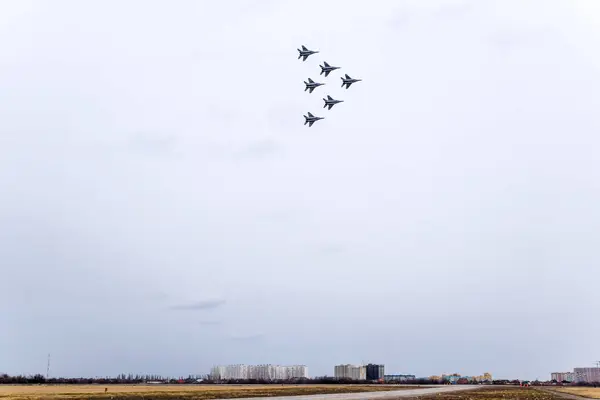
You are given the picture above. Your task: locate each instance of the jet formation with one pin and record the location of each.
(305, 53)
(349, 81)
(329, 101)
(326, 68)
(311, 85)
(311, 119)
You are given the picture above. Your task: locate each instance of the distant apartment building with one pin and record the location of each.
(486, 377)
(267, 372)
(349, 371)
(398, 378)
(226, 372)
(452, 378)
(563, 377)
(455, 378)
(374, 372)
(588, 375)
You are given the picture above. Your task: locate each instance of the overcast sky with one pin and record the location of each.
(163, 208)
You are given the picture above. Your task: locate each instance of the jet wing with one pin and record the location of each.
(310, 123)
(310, 115)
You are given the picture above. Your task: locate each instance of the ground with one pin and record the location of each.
(592, 393)
(179, 392)
(496, 393)
(207, 392)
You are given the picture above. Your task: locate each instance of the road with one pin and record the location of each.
(568, 396)
(372, 395)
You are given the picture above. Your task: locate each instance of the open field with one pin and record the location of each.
(171, 392)
(495, 393)
(592, 393)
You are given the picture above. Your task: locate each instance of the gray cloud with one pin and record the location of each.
(445, 197)
(331, 249)
(507, 39)
(199, 305)
(152, 143)
(259, 149)
(248, 337)
(451, 9)
(210, 323)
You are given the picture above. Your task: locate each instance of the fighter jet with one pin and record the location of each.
(329, 101)
(349, 81)
(326, 68)
(311, 85)
(311, 119)
(305, 53)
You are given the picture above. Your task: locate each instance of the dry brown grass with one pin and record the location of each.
(495, 393)
(592, 393)
(179, 392)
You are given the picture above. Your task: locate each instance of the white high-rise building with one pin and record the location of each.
(261, 372)
(297, 371)
(349, 371)
(591, 374)
(217, 372)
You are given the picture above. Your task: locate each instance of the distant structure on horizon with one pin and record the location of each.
(398, 378)
(349, 371)
(266, 372)
(588, 375)
(458, 378)
(579, 375)
(561, 377)
(375, 372)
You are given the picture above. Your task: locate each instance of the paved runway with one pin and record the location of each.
(371, 395)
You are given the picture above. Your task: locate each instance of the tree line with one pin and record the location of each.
(208, 380)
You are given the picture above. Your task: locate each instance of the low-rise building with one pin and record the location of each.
(398, 378)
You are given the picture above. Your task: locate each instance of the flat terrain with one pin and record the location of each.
(496, 393)
(186, 392)
(278, 392)
(592, 393)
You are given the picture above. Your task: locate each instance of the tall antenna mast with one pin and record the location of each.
(597, 364)
(48, 367)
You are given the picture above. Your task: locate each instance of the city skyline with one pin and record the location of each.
(260, 372)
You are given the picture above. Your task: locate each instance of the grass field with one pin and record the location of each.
(495, 394)
(592, 393)
(171, 392)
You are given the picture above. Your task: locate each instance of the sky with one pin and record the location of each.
(163, 208)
